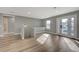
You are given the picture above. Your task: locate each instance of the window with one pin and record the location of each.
(48, 24)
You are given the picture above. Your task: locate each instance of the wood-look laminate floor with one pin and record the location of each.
(45, 43)
(11, 44)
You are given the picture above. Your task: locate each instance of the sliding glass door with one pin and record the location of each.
(66, 26)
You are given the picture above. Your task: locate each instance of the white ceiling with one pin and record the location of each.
(37, 12)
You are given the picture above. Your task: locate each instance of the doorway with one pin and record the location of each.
(8, 24)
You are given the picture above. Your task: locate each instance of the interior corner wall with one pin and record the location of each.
(52, 26)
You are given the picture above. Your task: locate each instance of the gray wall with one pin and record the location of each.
(11, 24)
(1, 24)
(30, 22)
(78, 24)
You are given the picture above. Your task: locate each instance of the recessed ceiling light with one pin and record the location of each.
(25, 25)
(56, 11)
(28, 13)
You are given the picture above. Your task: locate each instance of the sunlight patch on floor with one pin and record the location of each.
(43, 38)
